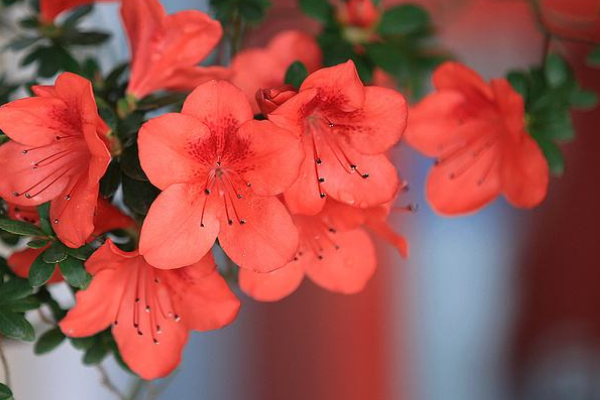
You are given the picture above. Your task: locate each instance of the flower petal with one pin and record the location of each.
(266, 241)
(219, 105)
(172, 235)
(271, 286)
(525, 174)
(274, 160)
(340, 84)
(349, 268)
(20, 263)
(172, 137)
(455, 76)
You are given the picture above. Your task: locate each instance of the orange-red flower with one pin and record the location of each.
(359, 13)
(219, 171)
(106, 218)
(334, 253)
(269, 99)
(166, 49)
(151, 311)
(265, 68)
(50, 9)
(477, 134)
(345, 129)
(58, 153)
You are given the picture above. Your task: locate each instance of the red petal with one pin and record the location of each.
(109, 218)
(20, 263)
(172, 235)
(341, 83)
(267, 241)
(524, 173)
(465, 183)
(73, 216)
(274, 160)
(271, 286)
(219, 105)
(172, 136)
(455, 76)
(379, 124)
(347, 269)
(511, 107)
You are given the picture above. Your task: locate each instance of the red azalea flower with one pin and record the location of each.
(58, 153)
(166, 49)
(50, 9)
(256, 68)
(151, 311)
(219, 171)
(336, 259)
(476, 131)
(359, 13)
(345, 129)
(269, 99)
(106, 218)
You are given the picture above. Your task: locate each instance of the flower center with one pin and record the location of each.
(317, 237)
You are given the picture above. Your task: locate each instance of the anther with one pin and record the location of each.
(332, 230)
(24, 152)
(322, 195)
(55, 221)
(177, 318)
(242, 221)
(68, 197)
(201, 224)
(147, 309)
(207, 191)
(318, 161)
(321, 180)
(27, 195)
(16, 194)
(365, 176)
(155, 341)
(230, 222)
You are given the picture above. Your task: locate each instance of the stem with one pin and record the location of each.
(4, 364)
(107, 383)
(137, 389)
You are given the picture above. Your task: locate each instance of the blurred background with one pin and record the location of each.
(500, 305)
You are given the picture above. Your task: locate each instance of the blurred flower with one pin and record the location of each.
(50, 9)
(58, 153)
(477, 133)
(220, 171)
(358, 13)
(345, 129)
(165, 49)
(263, 68)
(151, 311)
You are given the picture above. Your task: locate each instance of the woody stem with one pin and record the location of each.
(107, 383)
(4, 364)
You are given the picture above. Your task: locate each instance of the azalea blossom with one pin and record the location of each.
(269, 99)
(58, 153)
(106, 218)
(166, 49)
(476, 131)
(50, 9)
(151, 311)
(220, 171)
(346, 129)
(255, 68)
(336, 256)
(358, 13)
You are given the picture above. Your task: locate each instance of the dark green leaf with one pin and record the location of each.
(37, 244)
(83, 343)
(138, 195)
(553, 155)
(130, 163)
(85, 38)
(30, 23)
(403, 20)
(74, 18)
(74, 273)
(55, 253)
(111, 180)
(593, 58)
(5, 392)
(556, 70)
(48, 341)
(583, 99)
(40, 272)
(518, 81)
(296, 74)
(22, 305)
(95, 354)
(22, 43)
(82, 253)
(44, 213)
(20, 228)
(15, 326)
(15, 289)
(318, 9)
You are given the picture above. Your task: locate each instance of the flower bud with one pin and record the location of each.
(269, 99)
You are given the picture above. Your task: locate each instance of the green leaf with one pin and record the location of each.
(583, 99)
(74, 18)
(138, 195)
(49, 341)
(55, 253)
(518, 81)
(22, 305)
(556, 70)
(15, 326)
(86, 38)
(83, 343)
(22, 43)
(20, 228)
(318, 9)
(74, 273)
(5, 392)
(37, 243)
(81, 253)
(405, 19)
(44, 213)
(296, 74)
(40, 271)
(593, 59)
(554, 156)
(130, 163)
(95, 354)
(15, 289)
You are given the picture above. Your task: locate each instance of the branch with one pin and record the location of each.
(107, 383)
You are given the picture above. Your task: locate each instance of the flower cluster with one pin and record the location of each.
(280, 159)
